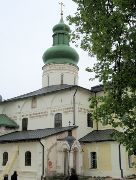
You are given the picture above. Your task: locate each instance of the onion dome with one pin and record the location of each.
(70, 139)
(61, 52)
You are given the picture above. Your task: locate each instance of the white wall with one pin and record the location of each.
(52, 74)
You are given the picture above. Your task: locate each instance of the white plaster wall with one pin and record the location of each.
(52, 74)
(32, 172)
(47, 106)
(82, 109)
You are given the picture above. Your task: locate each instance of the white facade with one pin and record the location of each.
(54, 74)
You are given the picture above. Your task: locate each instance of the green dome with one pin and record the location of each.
(61, 26)
(61, 52)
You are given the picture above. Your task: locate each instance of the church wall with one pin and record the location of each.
(103, 151)
(32, 172)
(42, 115)
(107, 160)
(82, 109)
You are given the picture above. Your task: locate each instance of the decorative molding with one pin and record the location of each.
(64, 110)
(83, 110)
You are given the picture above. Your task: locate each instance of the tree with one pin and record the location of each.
(107, 29)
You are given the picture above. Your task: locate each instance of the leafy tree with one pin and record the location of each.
(107, 29)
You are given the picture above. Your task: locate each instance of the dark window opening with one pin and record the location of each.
(93, 160)
(89, 120)
(5, 158)
(28, 158)
(24, 124)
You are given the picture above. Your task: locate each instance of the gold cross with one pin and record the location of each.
(61, 4)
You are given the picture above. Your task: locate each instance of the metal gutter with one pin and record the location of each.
(120, 164)
(74, 106)
(42, 160)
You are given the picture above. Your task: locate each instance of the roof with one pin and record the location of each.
(44, 91)
(33, 134)
(97, 88)
(7, 122)
(98, 136)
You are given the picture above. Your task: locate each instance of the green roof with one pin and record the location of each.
(7, 122)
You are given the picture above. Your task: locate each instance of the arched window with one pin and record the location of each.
(5, 158)
(58, 120)
(24, 124)
(27, 158)
(89, 120)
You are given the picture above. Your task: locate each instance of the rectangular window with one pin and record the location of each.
(24, 124)
(93, 160)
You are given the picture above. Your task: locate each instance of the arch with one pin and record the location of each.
(77, 156)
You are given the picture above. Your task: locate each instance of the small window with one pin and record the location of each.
(28, 158)
(93, 161)
(5, 158)
(89, 120)
(34, 102)
(58, 120)
(24, 124)
(130, 162)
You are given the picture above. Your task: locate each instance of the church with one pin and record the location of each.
(48, 131)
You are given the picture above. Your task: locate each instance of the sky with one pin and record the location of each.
(25, 34)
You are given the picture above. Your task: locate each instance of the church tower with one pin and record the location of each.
(60, 60)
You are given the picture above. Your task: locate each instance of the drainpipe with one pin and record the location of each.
(96, 107)
(120, 165)
(42, 160)
(74, 106)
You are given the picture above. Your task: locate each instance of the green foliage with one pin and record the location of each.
(107, 29)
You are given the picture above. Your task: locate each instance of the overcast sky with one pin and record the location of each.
(25, 34)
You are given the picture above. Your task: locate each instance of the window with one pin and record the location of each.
(27, 158)
(5, 158)
(130, 163)
(24, 124)
(93, 161)
(58, 120)
(34, 102)
(89, 120)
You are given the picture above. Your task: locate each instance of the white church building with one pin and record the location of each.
(48, 131)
